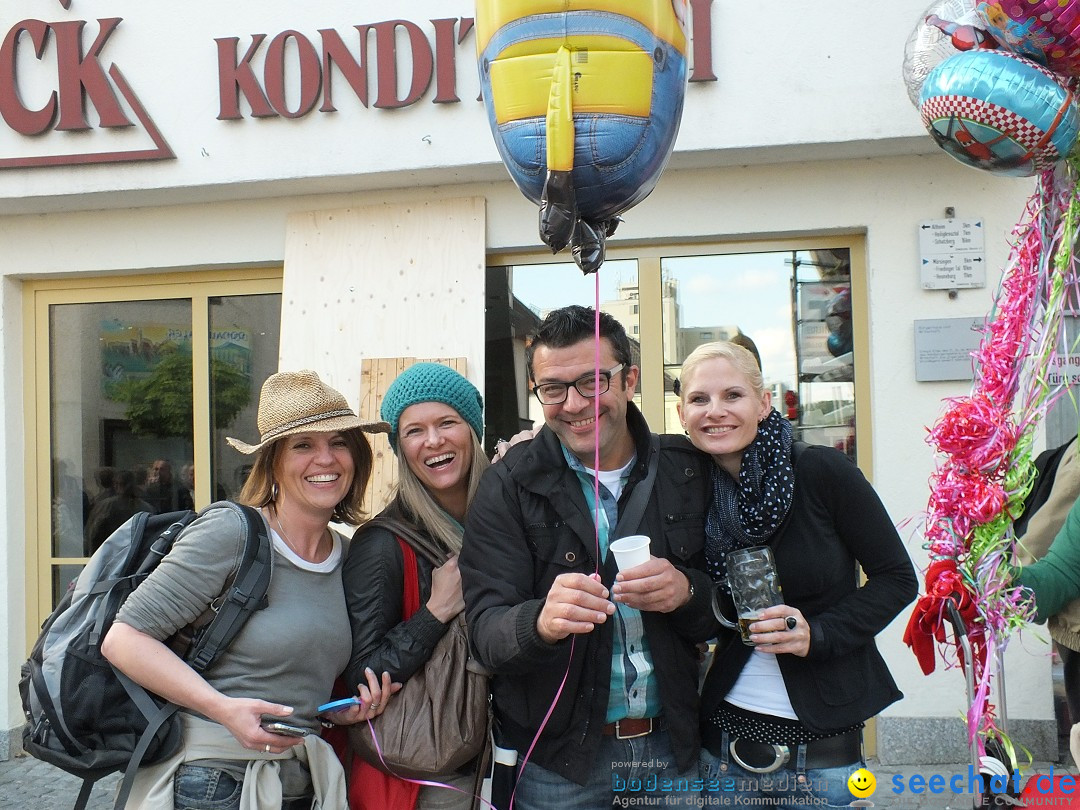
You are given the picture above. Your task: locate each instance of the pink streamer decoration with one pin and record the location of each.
(984, 439)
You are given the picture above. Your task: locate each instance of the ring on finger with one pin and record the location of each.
(375, 705)
(791, 622)
(266, 748)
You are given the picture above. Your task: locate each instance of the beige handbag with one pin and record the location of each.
(440, 719)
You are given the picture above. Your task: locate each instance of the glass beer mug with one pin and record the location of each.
(754, 585)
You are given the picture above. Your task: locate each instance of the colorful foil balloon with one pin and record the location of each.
(584, 99)
(946, 28)
(997, 111)
(1047, 31)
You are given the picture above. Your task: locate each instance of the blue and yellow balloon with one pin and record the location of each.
(584, 99)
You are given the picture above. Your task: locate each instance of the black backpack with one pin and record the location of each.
(83, 715)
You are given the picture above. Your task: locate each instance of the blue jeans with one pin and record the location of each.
(625, 771)
(198, 788)
(792, 787)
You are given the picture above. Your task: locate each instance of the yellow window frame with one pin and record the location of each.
(39, 296)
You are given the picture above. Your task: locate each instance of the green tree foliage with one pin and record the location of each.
(161, 404)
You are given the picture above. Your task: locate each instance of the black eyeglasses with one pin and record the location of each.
(554, 393)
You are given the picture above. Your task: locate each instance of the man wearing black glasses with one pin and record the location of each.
(610, 655)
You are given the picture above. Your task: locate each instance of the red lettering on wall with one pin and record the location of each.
(336, 53)
(701, 12)
(236, 77)
(83, 79)
(386, 59)
(310, 74)
(21, 119)
(445, 61)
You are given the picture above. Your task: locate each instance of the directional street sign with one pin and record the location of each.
(951, 254)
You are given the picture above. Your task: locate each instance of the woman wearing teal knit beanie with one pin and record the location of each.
(436, 423)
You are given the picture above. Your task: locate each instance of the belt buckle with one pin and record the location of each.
(620, 736)
(781, 755)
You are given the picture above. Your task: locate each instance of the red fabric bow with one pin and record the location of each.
(928, 618)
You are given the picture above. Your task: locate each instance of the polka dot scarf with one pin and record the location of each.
(748, 512)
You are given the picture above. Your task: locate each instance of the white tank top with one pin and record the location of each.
(760, 688)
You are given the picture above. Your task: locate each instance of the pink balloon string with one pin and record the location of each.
(421, 782)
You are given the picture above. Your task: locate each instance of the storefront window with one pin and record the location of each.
(121, 411)
(243, 353)
(519, 297)
(137, 398)
(792, 305)
(793, 308)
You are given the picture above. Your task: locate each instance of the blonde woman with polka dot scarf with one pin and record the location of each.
(782, 720)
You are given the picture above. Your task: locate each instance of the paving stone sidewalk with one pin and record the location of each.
(28, 784)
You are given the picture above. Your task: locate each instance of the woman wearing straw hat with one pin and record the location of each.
(311, 466)
(436, 421)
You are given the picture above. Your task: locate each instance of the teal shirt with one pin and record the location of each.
(1055, 579)
(634, 690)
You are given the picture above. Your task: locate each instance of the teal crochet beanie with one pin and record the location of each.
(432, 382)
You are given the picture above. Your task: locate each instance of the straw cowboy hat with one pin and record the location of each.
(299, 402)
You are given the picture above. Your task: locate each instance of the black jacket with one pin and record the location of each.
(836, 524)
(373, 575)
(528, 523)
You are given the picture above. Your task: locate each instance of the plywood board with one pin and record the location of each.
(383, 281)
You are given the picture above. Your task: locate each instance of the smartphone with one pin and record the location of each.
(284, 729)
(334, 705)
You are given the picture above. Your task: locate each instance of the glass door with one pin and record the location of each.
(136, 387)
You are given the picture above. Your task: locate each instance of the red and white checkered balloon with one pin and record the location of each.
(997, 111)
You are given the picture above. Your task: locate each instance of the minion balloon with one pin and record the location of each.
(584, 99)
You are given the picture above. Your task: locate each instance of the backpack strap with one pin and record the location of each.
(84, 794)
(244, 593)
(156, 717)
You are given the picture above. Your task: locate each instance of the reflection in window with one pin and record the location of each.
(244, 336)
(121, 415)
(532, 291)
(122, 410)
(792, 309)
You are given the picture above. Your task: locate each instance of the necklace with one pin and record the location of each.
(281, 530)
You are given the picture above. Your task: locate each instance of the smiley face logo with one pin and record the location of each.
(862, 783)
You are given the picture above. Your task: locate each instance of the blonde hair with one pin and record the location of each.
(739, 357)
(423, 510)
(260, 487)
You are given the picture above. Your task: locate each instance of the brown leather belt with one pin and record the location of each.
(630, 727)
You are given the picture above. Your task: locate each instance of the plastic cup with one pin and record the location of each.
(631, 551)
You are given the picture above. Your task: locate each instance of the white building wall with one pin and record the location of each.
(808, 131)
